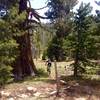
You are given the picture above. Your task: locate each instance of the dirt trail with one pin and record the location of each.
(44, 88)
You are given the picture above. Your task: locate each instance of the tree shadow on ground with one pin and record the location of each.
(41, 76)
(81, 87)
(44, 78)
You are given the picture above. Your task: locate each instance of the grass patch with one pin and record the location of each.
(42, 73)
(41, 76)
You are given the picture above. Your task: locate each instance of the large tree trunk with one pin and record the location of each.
(24, 65)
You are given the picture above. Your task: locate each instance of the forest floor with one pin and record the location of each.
(44, 87)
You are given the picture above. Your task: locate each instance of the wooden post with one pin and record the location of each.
(57, 78)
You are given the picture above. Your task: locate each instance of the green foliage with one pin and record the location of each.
(40, 40)
(91, 71)
(56, 49)
(82, 25)
(93, 42)
(44, 55)
(8, 52)
(42, 73)
(9, 28)
(60, 13)
(5, 74)
(82, 43)
(17, 24)
(59, 8)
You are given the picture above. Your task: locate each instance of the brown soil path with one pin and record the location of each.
(43, 88)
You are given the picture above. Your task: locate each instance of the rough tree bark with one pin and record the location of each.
(24, 65)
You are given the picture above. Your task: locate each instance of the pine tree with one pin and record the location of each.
(8, 52)
(19, 12)
(81, 34)
(60, 14)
